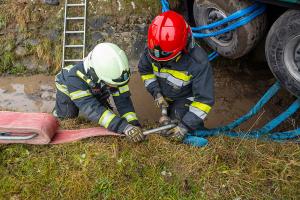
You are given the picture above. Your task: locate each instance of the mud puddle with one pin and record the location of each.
(27, 94)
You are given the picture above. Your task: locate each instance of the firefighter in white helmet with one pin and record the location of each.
(86, 87)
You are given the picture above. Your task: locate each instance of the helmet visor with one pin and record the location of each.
(120, 81)
(159, 54)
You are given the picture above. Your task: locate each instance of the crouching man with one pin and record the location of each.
(86, 87)
(177, 73)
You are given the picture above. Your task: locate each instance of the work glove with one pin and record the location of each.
(160, 101)
(134, 133)
(178, 133)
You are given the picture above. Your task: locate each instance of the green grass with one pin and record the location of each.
(113, 168)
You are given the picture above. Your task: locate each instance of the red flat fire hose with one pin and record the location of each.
(41, 128)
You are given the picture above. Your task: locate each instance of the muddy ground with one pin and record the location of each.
(237, 87)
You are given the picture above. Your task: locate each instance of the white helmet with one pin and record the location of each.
(108, 63)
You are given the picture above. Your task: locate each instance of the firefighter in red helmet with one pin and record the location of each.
(177, 73)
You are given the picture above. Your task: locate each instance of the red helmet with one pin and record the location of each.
(167, 36)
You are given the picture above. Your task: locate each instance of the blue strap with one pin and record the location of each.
(236, 15)
(233, 26)
(165, 5)
(267, 96)
(212, 56)
(285, 135)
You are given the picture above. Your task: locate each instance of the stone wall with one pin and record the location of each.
(31, 32)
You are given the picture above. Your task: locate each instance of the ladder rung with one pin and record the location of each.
(70, 32)
(74, 46)
(74, 18)
(75, 5)
(73, 60)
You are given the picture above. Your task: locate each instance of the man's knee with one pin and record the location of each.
(178, 110)
(64, 107)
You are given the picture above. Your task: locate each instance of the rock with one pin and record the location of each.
(97, 23)
(20, 51)
(96, 36)
(32, 42)
(32, 63)
(53, 35)
(141, 28)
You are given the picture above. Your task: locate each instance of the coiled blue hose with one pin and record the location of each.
(233, 26)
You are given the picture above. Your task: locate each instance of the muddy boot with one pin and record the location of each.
(51, 2)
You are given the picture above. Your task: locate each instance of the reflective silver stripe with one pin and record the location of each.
(62, 88)
(80, 94)
(202, 115)
(130, 116)
(149, 81)
(172, 79)
(191, 98)
(106, 118)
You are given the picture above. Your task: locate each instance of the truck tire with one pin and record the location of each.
(236, 43)
(283, 50)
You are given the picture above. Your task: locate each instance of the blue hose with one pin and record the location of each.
(165, 5)
(267, 96)
(285, 135)
(233, 26)
(212, 56)
(234, 16)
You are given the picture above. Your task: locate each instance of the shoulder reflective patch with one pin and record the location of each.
(106, 118)
(124, 89)
(80, 94)
(154, 67)
(201, 106)
(130, 116)
(62, 88)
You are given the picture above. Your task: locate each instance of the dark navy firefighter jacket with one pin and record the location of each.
(189, 77)
(91, 98)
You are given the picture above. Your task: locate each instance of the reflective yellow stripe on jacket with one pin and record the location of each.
(148, 79)
(130, 116)
(200, 109)
(106, 118)
(62, 88)
(80, 94)
(124, 89)
(121, 90)
(179, 78)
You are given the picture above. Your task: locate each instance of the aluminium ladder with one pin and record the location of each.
(68, 33)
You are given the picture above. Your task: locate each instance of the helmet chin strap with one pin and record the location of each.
(86, 64)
